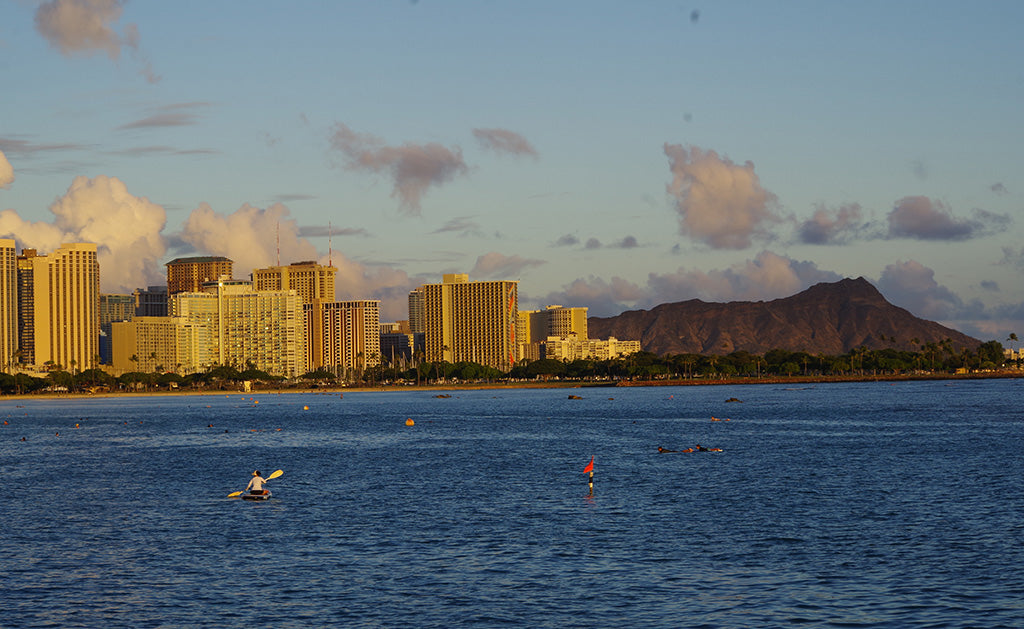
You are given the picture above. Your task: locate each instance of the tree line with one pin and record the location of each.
(933, 357)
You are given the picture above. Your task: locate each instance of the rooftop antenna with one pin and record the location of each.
(330, 232)
(279, 243)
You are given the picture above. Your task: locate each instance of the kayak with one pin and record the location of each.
(263, 496)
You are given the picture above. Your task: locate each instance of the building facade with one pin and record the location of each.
(113, 307)
(344, 336)
(187, 275)
(536, 326)
(262, 329)
(150, 301)
(9, 347)
(310, 280)
(65, 328)
(471, 321)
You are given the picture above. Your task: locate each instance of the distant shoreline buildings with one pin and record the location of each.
(284, 320)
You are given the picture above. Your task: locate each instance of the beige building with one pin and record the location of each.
(572, 348)
(149, 344)
(536, 326)
(471, 321)
(65, 294)
(187, 275)
(344, 336)
(311, 280)
(244, 327)
(8, 304)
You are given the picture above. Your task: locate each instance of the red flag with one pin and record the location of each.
(590, 466)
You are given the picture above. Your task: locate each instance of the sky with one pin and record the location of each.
(612, 155)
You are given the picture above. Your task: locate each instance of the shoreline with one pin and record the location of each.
(746, 381)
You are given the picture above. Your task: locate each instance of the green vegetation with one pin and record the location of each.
(932, 359)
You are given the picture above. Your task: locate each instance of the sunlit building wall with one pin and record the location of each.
(471, 321)
(312, 281)
(344, 336)
(149, 344)
(8, 303)
(186, 275)
(66, 312)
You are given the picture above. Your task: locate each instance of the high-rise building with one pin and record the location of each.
(416, 311)
(343, 336)
(264, 329)
(311, 280)
(187, 275)
(26, 307)
(66, 313)
(471, 321)
(8, 303)
(151, 301)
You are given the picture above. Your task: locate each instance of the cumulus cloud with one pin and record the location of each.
(86, 27)
(252, 237)
(359, 281)
(413, 168)
(98, 211)
(831, 227)
(912, 285)
(81, 26)
(6, 172)
(767, 276)
(603, 298)
(998, 188)
(720, 203)
(628, 242)
(504, 141)
(922, 218)
(592, 243)
(494, 265)
(568, 240)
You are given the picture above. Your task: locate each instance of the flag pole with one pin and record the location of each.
(590, 469)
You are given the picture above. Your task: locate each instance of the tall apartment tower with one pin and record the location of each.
(343, 335)
(471, 321)
(8, 303)
(187, 275)
(311, 280)
(416, 311)
(66, 307)
(26, 307)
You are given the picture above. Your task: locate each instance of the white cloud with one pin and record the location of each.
(6, 172)
(126, 229)
(719, 203)
(251, 237)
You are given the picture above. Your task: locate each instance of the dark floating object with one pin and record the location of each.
(732, 399)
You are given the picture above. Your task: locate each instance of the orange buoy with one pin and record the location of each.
(305, 408)
(410, 422)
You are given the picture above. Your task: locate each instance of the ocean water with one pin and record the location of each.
(850, 505)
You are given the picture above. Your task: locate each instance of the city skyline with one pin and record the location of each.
(608, 155)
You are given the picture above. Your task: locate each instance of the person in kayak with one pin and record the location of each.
(256, 484)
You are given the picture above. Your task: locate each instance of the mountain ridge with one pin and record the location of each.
(828, 318)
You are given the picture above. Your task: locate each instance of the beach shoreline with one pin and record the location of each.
(560, 384)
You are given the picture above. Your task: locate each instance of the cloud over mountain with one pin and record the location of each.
(720, 203)
(832, 226)
(413, 168)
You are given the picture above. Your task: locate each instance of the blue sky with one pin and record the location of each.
(615, 155)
